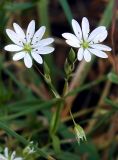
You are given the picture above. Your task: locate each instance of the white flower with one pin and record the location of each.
(8, 156)
(88, 43)
(30, 149)
(30, 45)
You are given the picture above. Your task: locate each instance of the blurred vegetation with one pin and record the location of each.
(26, 103)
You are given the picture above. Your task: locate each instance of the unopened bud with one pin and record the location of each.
(72, 55)
(66, 67)
(80, 134)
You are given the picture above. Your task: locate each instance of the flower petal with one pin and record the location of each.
(13, 155)
(101, 47)
(2, 157)
(73, 44)
(44, 42)
(38, 35)
(87, 55)
(98, 53)
(19, 56)
(18, 158)
(71, 37)
(76, 28)
(80, 54)
(14, 37)
(19, 32)
(85, 28)
(6, 152)
(30, 31)
(37, 57)
(43, 50)
(28, 60)
(13, 48)
(96, 32)
(100, 37)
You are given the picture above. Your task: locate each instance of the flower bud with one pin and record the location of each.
(66, 67)
(80, 134)
(72, 56)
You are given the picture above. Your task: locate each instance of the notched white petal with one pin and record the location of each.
(19, 31)
(38, 35)
(87, 55)
(101, 47)
(73, 44)
(85, 28)
(28, 60)
(30, 31)
(76, 28)
(96, 32)
(14, 37)
(44, 42)
(37, 57)
(44, 50)
(13, 48)
(19, 56)
(98, 53)
(80, 54)
(100, 37)
(71, 37)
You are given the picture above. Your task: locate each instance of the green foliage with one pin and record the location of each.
(113, 78)
(67, 10)
(28, 110)
(13, 7)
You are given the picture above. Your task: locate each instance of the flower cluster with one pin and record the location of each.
(30, 45)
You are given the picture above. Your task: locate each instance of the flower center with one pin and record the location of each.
(27, 48)
(85, 44)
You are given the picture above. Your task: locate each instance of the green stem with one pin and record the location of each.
(56, 119)
(54, 90)
(72, 118)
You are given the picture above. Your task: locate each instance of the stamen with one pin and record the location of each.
(27, 48)
(85, 44)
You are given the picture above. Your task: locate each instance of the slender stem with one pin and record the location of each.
(72, 117)
(56, 118)
(53, 89)
(39, 70)
(78, 114)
